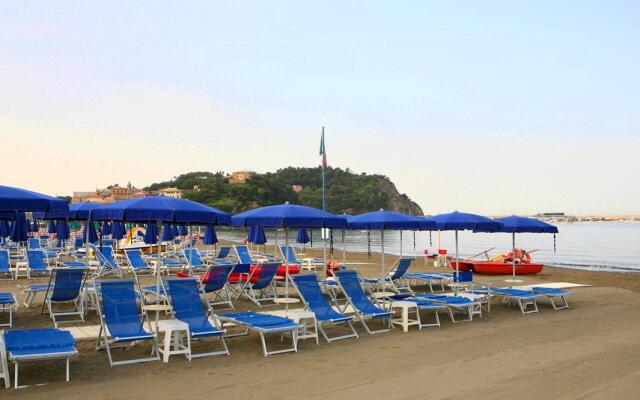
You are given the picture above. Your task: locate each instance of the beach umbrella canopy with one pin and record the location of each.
(303, 236)
(62, 230)
(16, 199)
(390, 220)
(515, 224)
(175, 231)
(459, 221)
(210, 236)
(35, 226)
(162, 209)
(118, 230)
(51, 226)
(151, 234)
(19, 229)
(288, 215)
(256, 235)
(89, 233)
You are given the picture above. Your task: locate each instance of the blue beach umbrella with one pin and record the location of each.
(35, 227)
(5, 229)
(16, 199)
(175, 231)
(118, 230)
(151, 234)
(389, 220)
(458, 221)
(183, 230)
(288, 216)
(89, 233)
(106, 229)
(51, 226)
(515, 224)
(62, 230)
(167, 233)
(303, 236)
(210, 236)
(256, 235)
(19, 229)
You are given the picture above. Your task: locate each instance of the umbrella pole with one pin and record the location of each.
(401, 243)
(513, 260)
(344, 249)
(457, 264)
(324, 246)
(382, 246)
(286, 264)
(190, 254)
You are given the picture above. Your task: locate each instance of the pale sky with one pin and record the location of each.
(493, 107)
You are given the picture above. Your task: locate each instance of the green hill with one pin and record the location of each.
(346, 191)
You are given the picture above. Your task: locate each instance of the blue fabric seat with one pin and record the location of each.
(120, 319)
(396, 279)
(217, 285)
(311, 293)
(8, 304)
(187, 306)
(362, 305)
(265, 324)
(36, 261)
(39, 344)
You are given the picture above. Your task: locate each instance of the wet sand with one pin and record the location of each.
(590, 351)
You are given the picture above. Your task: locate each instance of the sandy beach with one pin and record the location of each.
(590, 351)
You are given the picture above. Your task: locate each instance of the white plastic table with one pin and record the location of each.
(404, 321)
(176, 333)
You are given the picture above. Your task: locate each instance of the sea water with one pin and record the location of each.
(606, 246)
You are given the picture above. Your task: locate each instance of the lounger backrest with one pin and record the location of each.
(107, 253)
(135, 259)
(351, 285)
(267, 272)
(4, 261)
(78, 242)
(224, 252)
(243, 254)
(401, 269)
(186, 302)
(289, 254)
(67, 284)
(36, 260)
(120, 308)
(192, 256)
(33, 243)
(217, 277)
(309, 288)
(242, 268)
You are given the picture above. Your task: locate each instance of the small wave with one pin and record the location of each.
(593, 267)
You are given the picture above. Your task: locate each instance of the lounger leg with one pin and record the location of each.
(16, 375)
(67, 369)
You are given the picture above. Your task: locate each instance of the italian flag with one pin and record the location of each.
(323, 153)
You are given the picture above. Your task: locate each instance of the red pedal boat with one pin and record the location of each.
(501, 265)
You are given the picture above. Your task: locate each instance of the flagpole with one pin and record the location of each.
(324, 201)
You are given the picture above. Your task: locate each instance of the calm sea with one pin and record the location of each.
(606, 246)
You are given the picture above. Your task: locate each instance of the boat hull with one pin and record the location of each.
(497, 268)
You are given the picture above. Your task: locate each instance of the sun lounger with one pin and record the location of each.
(23, 345)
(5, 265)
(192, 255)
(424, 304)
(264, 324)
(8, 304)
(525, 299)
(314, 300)
(258, 286)
(120, 321)
(107, 264)
(429, 278)
(67, 288)
(140, 267)
(361, 304)
(187, 307)
(554, 294)
(36, 262)
(455, 304)
(394, 279)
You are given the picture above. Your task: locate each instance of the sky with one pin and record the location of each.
(493, 107)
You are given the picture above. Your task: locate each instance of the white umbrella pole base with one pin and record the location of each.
(511, 280)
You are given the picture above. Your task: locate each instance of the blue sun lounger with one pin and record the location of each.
(65, 286)
(107, 264)
(314, 300)
(8, 304)
(120, 321)
(361, 304)
(263, 288)
(396, 278)
(140, 267)
(264, 324)
(5, 264)
(192, 255)
(430, 278)
(187, 307)
(36, 262)
(554, 294)
(23, 345)
(455, 303)
(424, 304)
(525, 299)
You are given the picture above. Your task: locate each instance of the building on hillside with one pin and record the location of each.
(93, 197)
(296, 188)
(109, 195)
(240, 177)
(171, 192)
